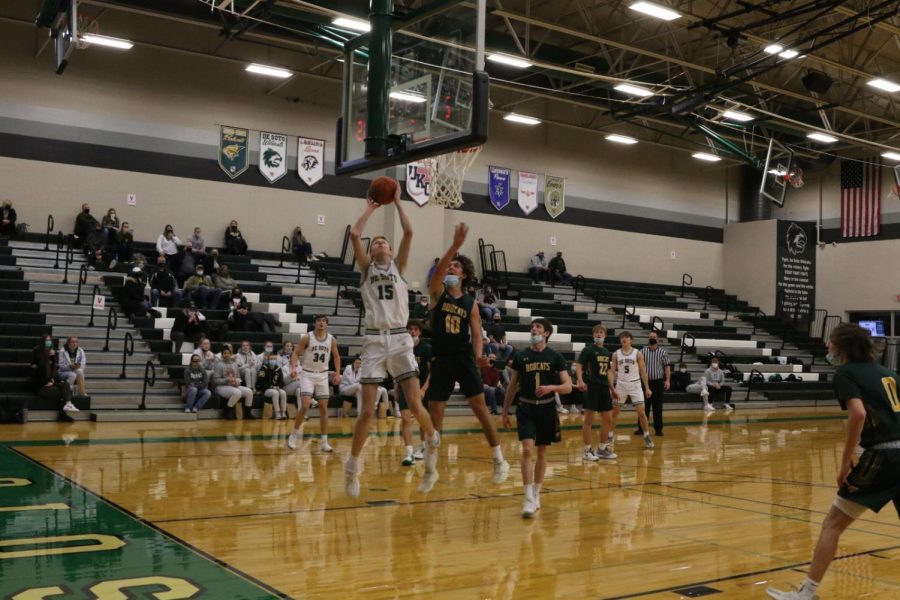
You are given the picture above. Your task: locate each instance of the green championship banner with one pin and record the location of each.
(234, 156)
(555, 195)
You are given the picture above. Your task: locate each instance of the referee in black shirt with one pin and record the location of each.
(659, 373)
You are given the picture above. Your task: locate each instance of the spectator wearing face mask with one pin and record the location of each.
(124, 243)
(248, 364)
(227, 382)
(487, 303)
(95, 248)
(681, 379)
(163, 286)
(715, 385)
(199, 287)
(189, 325)
(196, 383)
(207, 358)
(84, 224)
(225, 282)
(242, 318)
(270, 383)
(659, 374)
(497, 340)
(111, 226)
(420, 310)
(167, 244)
(234, 240)
(134, 303)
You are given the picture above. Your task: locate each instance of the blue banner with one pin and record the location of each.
(498, 183)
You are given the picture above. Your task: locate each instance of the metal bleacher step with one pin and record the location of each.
(131, 416)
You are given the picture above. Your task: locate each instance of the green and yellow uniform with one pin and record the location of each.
(454, 360)
(875, 480)
(536, 417)
(594, 361)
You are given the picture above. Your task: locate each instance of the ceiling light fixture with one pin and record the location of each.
(655, 10)
(405, 96)
(706, 156)
(788, 54)
(268, 71)
(523, 119)
(354, 24)
(891, 155)
(773, 48)
(737, 116)
(512, 61)
(621, 139)
(109, 42)
(884, 84)
(634, 90)
(822, 137)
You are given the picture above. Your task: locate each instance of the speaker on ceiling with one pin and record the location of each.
(818, 82)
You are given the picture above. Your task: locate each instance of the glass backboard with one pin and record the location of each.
(774, 182)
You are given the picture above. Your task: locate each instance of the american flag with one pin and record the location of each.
(860, 198)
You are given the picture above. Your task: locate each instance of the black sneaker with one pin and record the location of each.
(639, 432)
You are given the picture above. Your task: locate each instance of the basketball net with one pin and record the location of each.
(794, 178)
(86, 26)
(446, 175)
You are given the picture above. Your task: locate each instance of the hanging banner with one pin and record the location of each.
(528, 186)
(418, 184)
(233, 154)
(795, 271)
(555, 195)
(310, 160)
(498, 185)
(272, 155)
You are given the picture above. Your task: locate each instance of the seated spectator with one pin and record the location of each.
(124, 244)
(110, 224)
(7, 220)
(420, 310)
(189, 325)
(493, 389)
(301, 247)
(557, 269)
(163, 286)
(187, 266)
(227, 383)
(84, 224)
(248, 364)
(95, 248)
(225, 282)
(199, 288)
(715, 383)
(290, 377)
(537, 269)
(47, 385)
(234, 241)
(487, 303)
(196, 242)
(351, 385)
(72, 361)
(211, 261)
(167, 245)
(207, 358)
(270, 383)
(134, 302)
(497, 340)
(242, 318)
(680, 379)
(284, 355)
(196, 385)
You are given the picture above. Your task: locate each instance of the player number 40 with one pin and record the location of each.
(890, 388)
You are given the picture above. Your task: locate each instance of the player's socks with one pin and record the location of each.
(498, 452)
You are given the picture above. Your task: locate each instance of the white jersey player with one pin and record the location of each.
(387, 347)
(310, 362)
(627, 374)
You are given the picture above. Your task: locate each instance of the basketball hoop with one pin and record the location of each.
(794, 178)
(447, 174)
(86, 26)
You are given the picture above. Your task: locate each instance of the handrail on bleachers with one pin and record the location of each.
(345, 244)
(112, 321)
(750, 381)
(756, 315)
(580, 282)
(69, 259)
(597, 294)
(149, 381)
(653, 326)
(684, 345)
(709, 289)
(127, 350)
(82, 279)
(626, 314)
(686, 279)
(59, 245)
(94, 293)
(50, 225)
(285, 247)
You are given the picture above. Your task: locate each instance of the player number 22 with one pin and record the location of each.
(451, 324)
(890, 388)
(385, 292)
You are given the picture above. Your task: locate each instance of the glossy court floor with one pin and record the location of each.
(222, 509)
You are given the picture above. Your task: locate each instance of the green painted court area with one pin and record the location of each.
(58, 540)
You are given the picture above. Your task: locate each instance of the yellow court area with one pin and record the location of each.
(733, 504)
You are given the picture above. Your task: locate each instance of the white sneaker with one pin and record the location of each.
(351, 482)
(529, 508)
(419, 454)
(501, 471)
(537, 501)
(292, 440)
(790, 595)
(605, 454)
(562, 410)
(729, 408)
(574, 410)
(324, 447)
(428, 481)
(431, 458)
(193, 410)
(648, 443)
(314, 403)
(69, 407)
(408, 460)
(589, 456)
(709, 408)
(187, 410)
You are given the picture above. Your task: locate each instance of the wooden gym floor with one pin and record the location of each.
(220, 509)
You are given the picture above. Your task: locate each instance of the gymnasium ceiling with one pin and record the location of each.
(708, 60)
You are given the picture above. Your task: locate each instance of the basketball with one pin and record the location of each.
(383, 190)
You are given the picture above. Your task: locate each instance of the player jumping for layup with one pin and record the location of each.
(454, 314)
(387, 346)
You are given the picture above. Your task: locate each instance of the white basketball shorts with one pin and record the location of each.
(387, 353)
(632, 389)
(315, 385)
